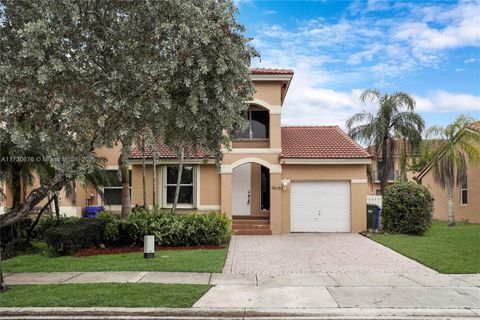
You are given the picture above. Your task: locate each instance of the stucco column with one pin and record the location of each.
(276, 203)
(226, 194)
(358, 203)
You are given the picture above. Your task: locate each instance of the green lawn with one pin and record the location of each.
(103, 295)
(168, 260)
(447, 250)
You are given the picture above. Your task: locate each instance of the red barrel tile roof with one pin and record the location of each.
(163, 153)
(306, 142)
(474, 126)
(319, 142)
(270, 71)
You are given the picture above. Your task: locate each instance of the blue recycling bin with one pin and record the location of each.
(91, 211)
(377, 217)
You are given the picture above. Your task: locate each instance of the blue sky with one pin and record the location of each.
(430, 49)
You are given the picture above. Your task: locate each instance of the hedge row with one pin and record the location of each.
(169, 230)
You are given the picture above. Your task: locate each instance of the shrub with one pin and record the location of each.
(116, 229)
(179, 229)
(68, 238)
(15, 231)
(407, 208)
(48, 221)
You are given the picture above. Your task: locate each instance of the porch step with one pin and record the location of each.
(251, 225)
(251, 232)
(246, 222)
(243, 226)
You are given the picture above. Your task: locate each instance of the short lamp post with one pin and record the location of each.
(149, 247)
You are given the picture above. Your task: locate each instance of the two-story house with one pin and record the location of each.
(273, 179)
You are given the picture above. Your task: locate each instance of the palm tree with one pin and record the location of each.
(394, 119)
(447, 151)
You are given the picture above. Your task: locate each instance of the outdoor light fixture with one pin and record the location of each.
(285, 184)
(149, 247)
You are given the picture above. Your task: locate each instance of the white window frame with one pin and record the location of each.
(461, 192)
(194, 185)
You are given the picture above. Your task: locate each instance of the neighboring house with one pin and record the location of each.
(395, 172)
(466, 197)
(273, 180)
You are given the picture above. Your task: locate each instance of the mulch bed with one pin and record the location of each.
(117, 250)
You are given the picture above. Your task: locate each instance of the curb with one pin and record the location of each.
(209, 313)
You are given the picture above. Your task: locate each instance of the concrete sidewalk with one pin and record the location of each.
(301, 291)
(254, 280)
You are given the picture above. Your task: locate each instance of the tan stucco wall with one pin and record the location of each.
(209, 185)
(358, 191)
(251, 144)
(268, 91)
(470, 211)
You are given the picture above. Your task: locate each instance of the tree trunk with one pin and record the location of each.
(144, 173)
(451, 213)
(16, 188)
(179, 179)
(34, 224)
(154, 199)
(126, 205)
(34, 198)
(384, 174)
(3, 286)
(57, 207)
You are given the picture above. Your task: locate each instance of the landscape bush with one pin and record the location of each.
(48, 221)
(407, 208)
(182, 229)
(187, 229)
(68, 238)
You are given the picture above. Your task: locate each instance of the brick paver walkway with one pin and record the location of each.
(316, 253)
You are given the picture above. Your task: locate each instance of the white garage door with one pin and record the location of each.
(320, 206)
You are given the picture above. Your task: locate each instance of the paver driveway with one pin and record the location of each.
(316, 253)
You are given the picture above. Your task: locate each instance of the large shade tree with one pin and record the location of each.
(211, 84)
(394, 121)
(447, 150)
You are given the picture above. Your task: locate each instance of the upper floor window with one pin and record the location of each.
(463, 191)
(391, 173)
(258, 125)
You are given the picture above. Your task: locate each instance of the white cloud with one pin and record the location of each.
(471, 60)
(442, 101)
(460, 28)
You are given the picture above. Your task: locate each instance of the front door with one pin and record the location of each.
(241, 176)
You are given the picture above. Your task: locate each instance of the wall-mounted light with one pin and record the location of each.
(285, 183)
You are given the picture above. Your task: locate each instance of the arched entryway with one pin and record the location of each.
(248, 197)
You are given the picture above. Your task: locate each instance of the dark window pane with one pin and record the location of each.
(259, 124)
(185, 196)
(113, 178)
(265, 189)
(187, 175)
(113, 196)
(390, 175)
(464, 196)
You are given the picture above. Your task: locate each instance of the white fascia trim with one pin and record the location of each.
(253, 150)
(207, 207)
(359, 181)
(326, 161)
(228, 168)
(271, 77)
